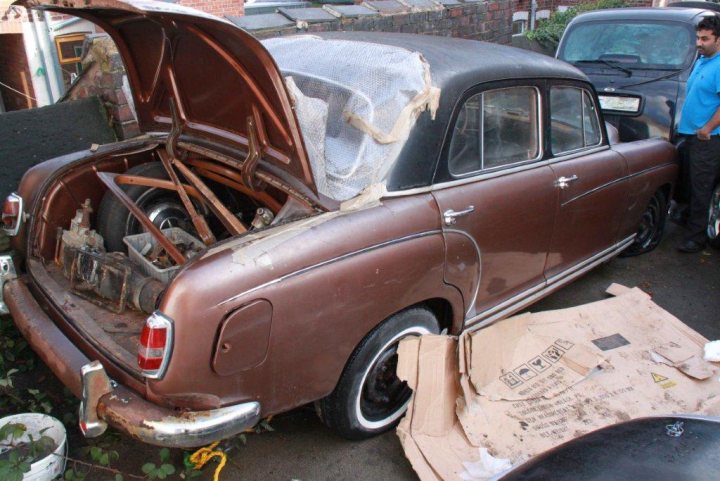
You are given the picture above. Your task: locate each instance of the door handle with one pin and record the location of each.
(450, 215)
(564, 182)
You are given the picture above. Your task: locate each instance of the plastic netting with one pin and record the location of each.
(356, 103)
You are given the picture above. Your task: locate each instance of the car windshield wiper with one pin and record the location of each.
(609, 64)
(654, 79)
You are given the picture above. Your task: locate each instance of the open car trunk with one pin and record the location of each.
(111, 231)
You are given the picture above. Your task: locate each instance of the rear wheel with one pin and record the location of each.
(651, 228)
(713, 229)
(163, 207)
(369, 399)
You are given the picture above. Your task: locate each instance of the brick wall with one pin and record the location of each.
(488, 21)
(14, 73)
(216, 7)
(102, 76)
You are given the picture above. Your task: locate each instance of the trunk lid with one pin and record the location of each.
(224, 85)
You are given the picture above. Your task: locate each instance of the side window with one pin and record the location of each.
(494, 129)
(573, 120)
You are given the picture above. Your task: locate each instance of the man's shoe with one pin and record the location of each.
(679, 214)
(690, 246)
(678, 218)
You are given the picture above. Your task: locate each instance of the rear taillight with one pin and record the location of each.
(155, 346)
(12, 214)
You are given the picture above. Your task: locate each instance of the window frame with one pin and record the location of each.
(593, 99)
(534, 84)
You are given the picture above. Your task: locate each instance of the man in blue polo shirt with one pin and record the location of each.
(700, 123)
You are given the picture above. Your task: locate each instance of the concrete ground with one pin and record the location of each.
(686, 285)
(301, 448)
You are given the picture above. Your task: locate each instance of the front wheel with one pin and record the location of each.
(713, 229)
(651, 228)
(369, 399)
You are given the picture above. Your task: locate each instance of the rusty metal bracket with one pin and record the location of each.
(257, 143)
(108, 179)
(123, 179)
(228, 219)
(201, 225)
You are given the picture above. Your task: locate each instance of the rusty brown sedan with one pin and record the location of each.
(296, 207)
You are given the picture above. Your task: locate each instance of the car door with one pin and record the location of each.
(496, 197)
(590, 179)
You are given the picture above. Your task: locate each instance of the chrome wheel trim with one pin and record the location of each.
(362, 419)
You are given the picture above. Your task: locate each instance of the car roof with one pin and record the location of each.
(456, 65)
(455, 61)
(678, 14)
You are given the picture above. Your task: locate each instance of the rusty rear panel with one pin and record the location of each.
(329, 279)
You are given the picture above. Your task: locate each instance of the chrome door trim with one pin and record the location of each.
(535, 293)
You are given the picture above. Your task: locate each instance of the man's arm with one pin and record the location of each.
(712, 124)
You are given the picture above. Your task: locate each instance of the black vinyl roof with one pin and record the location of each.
(456, 65)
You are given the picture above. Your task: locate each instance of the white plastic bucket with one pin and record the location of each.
(52, 465)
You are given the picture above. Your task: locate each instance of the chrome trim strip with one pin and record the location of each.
(414, 191)
(579, 153)
(596, 189)
(489, 175)
(471, 304)
(649, 169)
(509, 302)
(535, 293)
(593, 261)
(331, 261)
(7, 273)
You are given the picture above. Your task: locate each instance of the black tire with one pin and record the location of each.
(369, 398)
(163, 206)
(651, 228)
(713, 230)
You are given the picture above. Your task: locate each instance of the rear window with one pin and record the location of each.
(639, 45)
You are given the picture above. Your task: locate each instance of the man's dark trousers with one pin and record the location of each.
(704, 164)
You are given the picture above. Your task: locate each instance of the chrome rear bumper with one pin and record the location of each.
(107, 403)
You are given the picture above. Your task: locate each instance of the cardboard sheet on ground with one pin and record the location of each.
(526, 384)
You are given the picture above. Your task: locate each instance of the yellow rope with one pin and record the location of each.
(200, 457)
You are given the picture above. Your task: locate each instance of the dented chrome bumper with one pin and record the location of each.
(107, 403)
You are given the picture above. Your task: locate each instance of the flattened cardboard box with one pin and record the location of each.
(528, 383)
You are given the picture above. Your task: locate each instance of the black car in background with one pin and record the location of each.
(639, 60)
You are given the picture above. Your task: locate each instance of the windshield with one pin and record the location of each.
(632, 45)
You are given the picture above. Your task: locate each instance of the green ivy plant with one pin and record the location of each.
(17, 455)
(548, 32)
(162, 471)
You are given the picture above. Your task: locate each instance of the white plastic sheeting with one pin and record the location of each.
(356, 103)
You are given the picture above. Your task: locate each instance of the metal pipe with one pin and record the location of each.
(52, 62)
(533, 12)
(36, 63)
